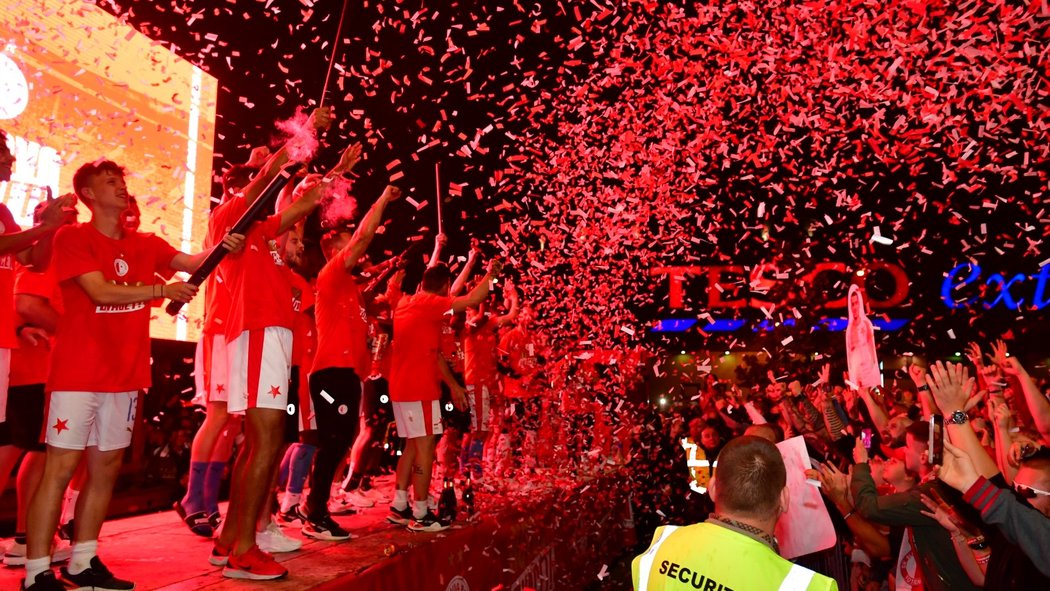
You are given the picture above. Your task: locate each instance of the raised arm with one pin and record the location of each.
(439, 244)
(32, 247)
(878, 414)
(1038, 405)
(480, 291)
(510, 294)
(464, 273)
(321, 118)
(307, 194)
(951, 388)
(367, 229)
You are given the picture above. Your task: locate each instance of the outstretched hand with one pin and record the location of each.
(952, 387)
(957, 469)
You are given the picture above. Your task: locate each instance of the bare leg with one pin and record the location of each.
(46, 505)
(102, 470)
(253, 473)
(422, 466)
(29, 475)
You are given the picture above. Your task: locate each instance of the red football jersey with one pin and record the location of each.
(29, 364)
(304, 335)
(414, 373)
(260, 291)
(479, 348)
(8, 339)
(104, 348)
(216, 290)
(342, 327)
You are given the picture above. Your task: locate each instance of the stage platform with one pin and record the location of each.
(532, 536)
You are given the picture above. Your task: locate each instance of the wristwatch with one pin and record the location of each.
(958, 417)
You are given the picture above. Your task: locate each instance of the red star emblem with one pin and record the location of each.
(275, 391)
(60, 426)
(220, 388)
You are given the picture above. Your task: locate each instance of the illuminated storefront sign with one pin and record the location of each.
(966, 285)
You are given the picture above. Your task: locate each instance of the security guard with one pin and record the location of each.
(734, 550)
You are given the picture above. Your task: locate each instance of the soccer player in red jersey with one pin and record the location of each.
(482, 375)
(259, 348)
(101, 359)
(340, 365)
(416, 371)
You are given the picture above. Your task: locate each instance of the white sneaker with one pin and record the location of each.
(15, 555)
(273, 540)
(358, 499)
(376, 495)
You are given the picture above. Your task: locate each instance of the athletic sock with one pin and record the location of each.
(290, 500)
(419, 509)
(35, 566)
(195, 488)
(299, 467)
(212, 484)
(400, 500)
(83, 552)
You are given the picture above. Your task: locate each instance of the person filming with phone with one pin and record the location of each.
(928, 557)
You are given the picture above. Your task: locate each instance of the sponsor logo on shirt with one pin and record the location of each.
(275, 253)
(119, 309)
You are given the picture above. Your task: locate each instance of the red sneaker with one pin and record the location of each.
(254, 565)
(219, 555)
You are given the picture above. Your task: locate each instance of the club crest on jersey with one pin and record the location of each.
(121, 267)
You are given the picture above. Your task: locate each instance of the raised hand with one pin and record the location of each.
(258, 157)
(58, 212)
(860, 453)
(942, 513)
(495, 266)
(309, 187)
(999, 354)
(917, 373)
(825, 374)
(973, 353)
(391, 193)
(321, 118)
(957, 470)
(350, 157)
(951, 387)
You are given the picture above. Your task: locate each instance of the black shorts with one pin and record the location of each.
(335, 393)
(291, 425)
(375, 404)
(25, 416)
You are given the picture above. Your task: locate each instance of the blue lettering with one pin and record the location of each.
(1039, 301)
(1005, 296)
(947, 286)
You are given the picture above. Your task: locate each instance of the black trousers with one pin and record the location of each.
(336, 395)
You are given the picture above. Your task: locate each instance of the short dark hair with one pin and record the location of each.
(920, 431)
(436, 278)
(237, 177)
(86, 173)
(750, 478)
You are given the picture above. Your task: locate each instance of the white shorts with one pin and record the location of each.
(76, 420)
(260, 369)
(5, 381)
(480, 407)
(417, 419)
(211, 370)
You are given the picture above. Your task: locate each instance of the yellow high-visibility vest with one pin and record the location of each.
(710, 557)
(700, 469)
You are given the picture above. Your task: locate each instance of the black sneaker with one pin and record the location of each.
(428, 522)
(45, 581)
(65, 531)
(324, 528)
(400, 516)
(289, 517)
(96, 577)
